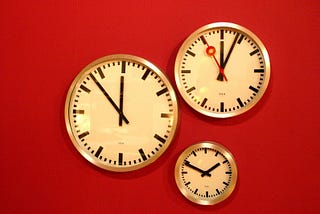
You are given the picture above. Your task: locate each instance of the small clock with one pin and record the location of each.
(121, 112)
(222, 70)
(206, 173)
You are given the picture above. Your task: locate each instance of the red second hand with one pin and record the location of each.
(211, 51)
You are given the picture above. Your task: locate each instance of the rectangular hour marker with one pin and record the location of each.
(225, 183)
(145, 75)
(216, 154)
(195, 192)
(218, 191)
(159, 138)
(258, 70)
(142, 154)
(207, 194)
(98, 151)
(228, 173)
(194, 153)
(204, 41)
(254, 89)
(191, 53)
(100, 72)
(240, 102)
(84, 88)
(166, 115)
(190, 89)
(120, 158)
(123, 67)
(204, 102)
(222, 107)
(162, 91)
(83, 135)
(188, 183)
(241, 38)
(78, 111)
(254, 52)
(184, 172)
(186, 71)
(221, 34)
(226, 161)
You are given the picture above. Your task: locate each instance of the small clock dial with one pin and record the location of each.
(222, 70)
(121, 113)
(206, 173)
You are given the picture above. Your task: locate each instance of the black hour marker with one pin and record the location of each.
(77, 111)
(83, 134)
(191, 53)
(240, 102)
(254, 52)
(254, 89)
(145, 75)
(166, 115)
(120, 158)
(100, 72)
(186, 71)
(98, 151)
(162, 91)
(123, 67)
(193, 152)
(221, 34)
(184, 172)
(190, 89)
(188, 183)
(216, 154)
(195, 192)
(142, 154)
(258, 70)
(84, 88)
(207, 194)
(218, 191)
(228, 173)
(222, 106)
(225, 183)
(159, 138)
(204, 102)
(241, 38)
(204, 41)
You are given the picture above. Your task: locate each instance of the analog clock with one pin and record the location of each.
(222, 70)
(121, 112)
(206, 173)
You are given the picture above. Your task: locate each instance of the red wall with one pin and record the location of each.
(44, 44)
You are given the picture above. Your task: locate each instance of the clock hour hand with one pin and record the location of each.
(109, 99)
(211, 52)
(209, 170)
(187, 163)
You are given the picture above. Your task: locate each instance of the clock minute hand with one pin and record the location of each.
(187, 163)
(209, 170)
(109, 99)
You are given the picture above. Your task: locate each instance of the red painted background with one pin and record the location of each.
(44, 44)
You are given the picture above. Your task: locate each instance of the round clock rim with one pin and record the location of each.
(195, 35)
(224, 151)
(152, 67)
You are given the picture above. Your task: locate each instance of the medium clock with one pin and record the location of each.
(206, 173)
(121, 112)
(222, 70)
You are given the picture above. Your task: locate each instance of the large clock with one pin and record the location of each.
(121, 112)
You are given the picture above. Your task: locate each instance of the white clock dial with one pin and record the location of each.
(222, 70)
(206, 173)
(121, 112)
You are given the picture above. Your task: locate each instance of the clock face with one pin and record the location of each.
(222, 70)
(206, 173)
(121, 112)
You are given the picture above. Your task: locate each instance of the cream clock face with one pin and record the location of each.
(222, 70)
(206, 173)
(121, 113)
